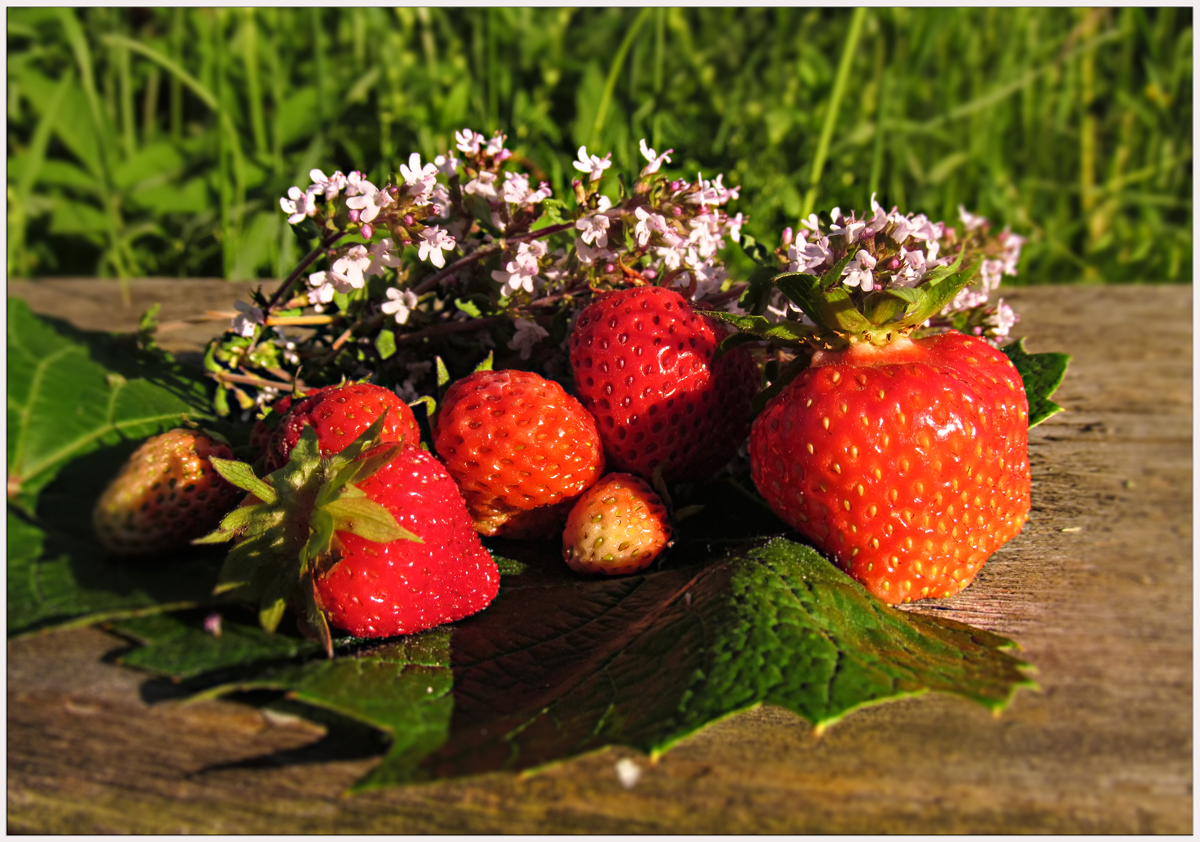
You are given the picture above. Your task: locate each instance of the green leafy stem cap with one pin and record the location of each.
(841, 317)
(287, 531)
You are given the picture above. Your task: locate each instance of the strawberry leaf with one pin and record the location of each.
(364, 517)
(557, 667)
(1042, 373)
(72, 392)
(243, 476)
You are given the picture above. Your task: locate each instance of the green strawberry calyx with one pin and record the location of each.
(286, 532)
(841, 316)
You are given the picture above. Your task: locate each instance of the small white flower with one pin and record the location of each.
(329, 187)
(249, 317)
(912, 268)
(496, 145)
(595, 229)
(484, 185)
(858, 272)
(656, 160)
(382, 255)
(529, 334)
(400, 303)
(439, 199)
(851, 229)
(347, 271)
(812, 223)
(970, 220)
(322, 288)
(989, 274)
(809, 256)
(879, 219)
(516, 190)
(1003, 319)
(592, 164)
(733, 227)
(366, 198)
(298, 205)
(446, 164)
(1012, 250)
(357, 185)
(467, 141)
(589, 256)
(648, 224)
(419, 179)
(435, 242)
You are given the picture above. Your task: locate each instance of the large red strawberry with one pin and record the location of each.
(908, 464)
(339, 414)
(904, 459)
(618, 526)
(521, 449)
(166, 494)
(381, 589)
(375, 540)
(642, 363)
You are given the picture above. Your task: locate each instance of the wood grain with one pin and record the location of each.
(1097, 589)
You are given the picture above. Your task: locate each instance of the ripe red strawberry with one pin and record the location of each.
(166, 494)
(375, 540)
(641, 361)
(399, 587)
(260, 434)
(618, 526)
(339, 414)
(520, 448)
(907, 463)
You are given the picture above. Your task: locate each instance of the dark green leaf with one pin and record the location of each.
(385, 344)
(59, 580)
(558, 666)
(243, 476)
(63, 401)
(370, 520)
(783, 331)
(830, 308)
(1042, 373)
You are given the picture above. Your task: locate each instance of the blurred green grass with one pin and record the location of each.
(156, 142)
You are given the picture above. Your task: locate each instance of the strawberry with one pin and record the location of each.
(260, 434)
(907, 464)
(902, 456)
(618, 526)
(375, 540)
(642, 363)
(339, 414)
(166, 494)
(382, 589)
(521, 449)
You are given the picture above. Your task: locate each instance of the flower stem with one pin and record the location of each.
(327, 240)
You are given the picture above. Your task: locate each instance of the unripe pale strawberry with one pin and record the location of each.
(618, 526)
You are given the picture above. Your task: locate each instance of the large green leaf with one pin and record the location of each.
(72, 392)
(558, 666)
(58, 580)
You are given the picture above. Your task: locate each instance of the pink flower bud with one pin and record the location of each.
(610, 267)
(894, 263)
(408, 219)
(368, 230)
(675, 185)
(650, 274)
(676, 210)
(354, 215)
(788, 235)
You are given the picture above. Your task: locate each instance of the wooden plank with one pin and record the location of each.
(1103, 609)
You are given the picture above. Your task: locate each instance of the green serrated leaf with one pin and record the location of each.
(243, 476)
(364, 517)
(829, 308)
(558, 667)
(64, 401)
(1043, 374)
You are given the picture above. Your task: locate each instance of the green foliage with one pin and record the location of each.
(71, 392)
(1042, 373)
(158, 141)
(558, 666)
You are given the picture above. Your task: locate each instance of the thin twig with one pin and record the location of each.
(251, 380)
(326, 241)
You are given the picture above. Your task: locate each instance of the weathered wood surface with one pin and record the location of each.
(1097, 589)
